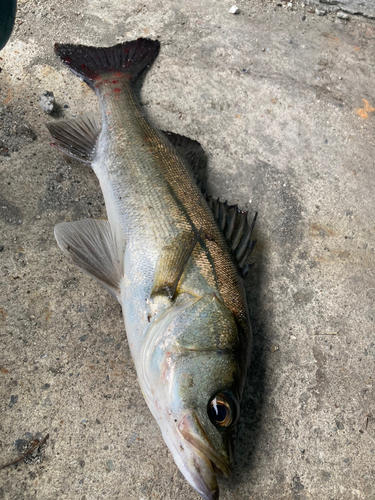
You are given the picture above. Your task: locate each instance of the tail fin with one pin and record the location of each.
(89, 63)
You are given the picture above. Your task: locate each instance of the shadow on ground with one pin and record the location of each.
(253, 399)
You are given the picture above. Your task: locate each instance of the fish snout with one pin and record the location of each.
(206, 461)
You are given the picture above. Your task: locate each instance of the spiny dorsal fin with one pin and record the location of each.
(77, 137)
(233, 223)
(93, 247)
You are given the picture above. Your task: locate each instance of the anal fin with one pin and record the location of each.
(93, 247)
(172, 262)
(77, 137)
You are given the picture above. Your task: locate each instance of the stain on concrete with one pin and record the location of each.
(13, 401)
(303, 297)
(15, 132)
(297, 488)
(9, 213)
(321, 231)
(321, 380)
(367, 108)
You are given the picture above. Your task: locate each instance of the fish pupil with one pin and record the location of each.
(220, 412)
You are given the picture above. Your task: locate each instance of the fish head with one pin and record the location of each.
(193, 381)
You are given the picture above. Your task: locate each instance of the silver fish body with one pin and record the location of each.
(164, 257)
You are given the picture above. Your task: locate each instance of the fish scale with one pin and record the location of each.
(150, 162)
(131, 168)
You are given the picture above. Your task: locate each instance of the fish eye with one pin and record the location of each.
(222, 410)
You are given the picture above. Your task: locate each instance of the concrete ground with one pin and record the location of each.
(283, 102)
(363, 7)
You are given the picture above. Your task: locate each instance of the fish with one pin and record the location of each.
(172, 256)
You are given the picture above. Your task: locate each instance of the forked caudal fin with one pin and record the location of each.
(129, 58)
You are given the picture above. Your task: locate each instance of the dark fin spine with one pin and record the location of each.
(249, 249)
(129, 58)
(223, 215)
(253, 222)
(243, 243)
(246, 269)
(231, 220)
(238, 230)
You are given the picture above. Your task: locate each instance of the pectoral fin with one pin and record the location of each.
(94, 248)
(172, 262)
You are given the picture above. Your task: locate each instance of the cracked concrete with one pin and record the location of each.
(357, 7)
(285, 110)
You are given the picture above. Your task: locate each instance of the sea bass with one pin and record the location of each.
(172, 257)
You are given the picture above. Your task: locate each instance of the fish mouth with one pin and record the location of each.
(206, 462)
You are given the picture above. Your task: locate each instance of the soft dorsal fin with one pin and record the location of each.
(233, 223)
(94, 248)
(77, 137)
(192, 151)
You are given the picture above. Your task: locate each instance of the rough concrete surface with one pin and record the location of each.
(283, 102)
(360, 7)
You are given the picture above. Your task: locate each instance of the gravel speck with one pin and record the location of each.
(342, 15)
(109, 465)
(13, 401)
(234, 10)
(47, 102)
(133, 437)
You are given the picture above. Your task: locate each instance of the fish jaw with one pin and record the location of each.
(196, 457)
(193, 432)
